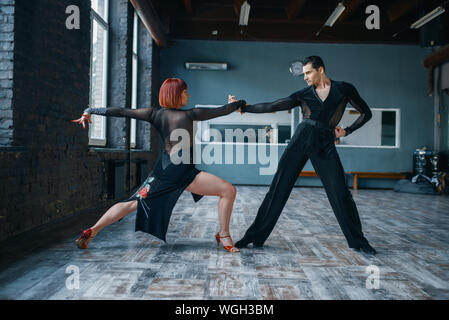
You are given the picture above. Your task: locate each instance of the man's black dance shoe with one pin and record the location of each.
(245, 241)
(366, 248)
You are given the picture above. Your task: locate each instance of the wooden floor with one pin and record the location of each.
(306, 256)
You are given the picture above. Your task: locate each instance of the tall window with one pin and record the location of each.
(98, 69)
(134, 79)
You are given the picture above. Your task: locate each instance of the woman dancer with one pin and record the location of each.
(155, 199)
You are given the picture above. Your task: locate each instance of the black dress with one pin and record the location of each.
(157, 196)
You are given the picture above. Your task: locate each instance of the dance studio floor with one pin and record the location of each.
(306, 256)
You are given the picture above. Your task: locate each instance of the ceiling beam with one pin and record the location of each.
(188, 6)
(274, 22)
(436, 58)
(237, 7)
(164, 12)
(294, 8)
(150, 19)
(399, 8)
(260, 31)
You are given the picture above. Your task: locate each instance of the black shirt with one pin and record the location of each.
(166, 120)
(329, 111)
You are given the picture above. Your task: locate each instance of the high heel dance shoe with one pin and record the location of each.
(82, 241)
(227, 248)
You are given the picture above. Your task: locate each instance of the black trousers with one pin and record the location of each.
(317, 144)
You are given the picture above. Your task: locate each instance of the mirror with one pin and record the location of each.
(382, 130)
(249, 124)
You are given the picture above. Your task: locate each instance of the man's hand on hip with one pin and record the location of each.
(339, 132)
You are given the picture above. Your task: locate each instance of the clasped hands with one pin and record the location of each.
(232, 99)
(339, 131)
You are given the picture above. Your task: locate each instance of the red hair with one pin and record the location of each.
(170, 93)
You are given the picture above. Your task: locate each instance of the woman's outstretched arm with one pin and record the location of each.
(140, 114)
(210, 113)
(145, 114)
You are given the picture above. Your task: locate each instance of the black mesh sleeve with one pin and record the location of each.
(360, 105)
(278, 105)
(210, 113)
(140, 114)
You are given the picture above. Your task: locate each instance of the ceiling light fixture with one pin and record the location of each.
(428, 17)
(244, 13)
(333, 17)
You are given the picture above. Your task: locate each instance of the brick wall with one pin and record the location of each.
(6, 70)
(51, 173)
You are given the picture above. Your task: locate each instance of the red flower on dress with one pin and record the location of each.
(143, 192)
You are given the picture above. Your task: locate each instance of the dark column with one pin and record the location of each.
(121, 14)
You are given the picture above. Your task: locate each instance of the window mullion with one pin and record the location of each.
(101, 27)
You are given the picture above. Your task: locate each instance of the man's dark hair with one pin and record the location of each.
(316, 62)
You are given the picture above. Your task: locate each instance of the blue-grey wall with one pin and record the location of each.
(386, 76)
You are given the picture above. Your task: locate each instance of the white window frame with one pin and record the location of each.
(135, 68)
(398, 129)
(94, 16)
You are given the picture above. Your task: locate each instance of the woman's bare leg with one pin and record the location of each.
(209, 185)
(115, 213)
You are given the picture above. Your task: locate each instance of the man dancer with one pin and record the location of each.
(322, 103)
